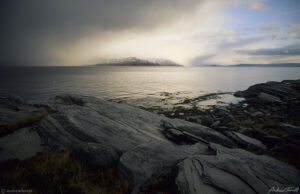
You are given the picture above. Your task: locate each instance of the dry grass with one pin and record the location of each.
(21, 123)
(58, 173)
(64, 102)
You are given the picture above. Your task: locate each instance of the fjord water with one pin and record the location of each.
(40, 83)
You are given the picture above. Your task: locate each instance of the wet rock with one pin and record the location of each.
(95, 155)
(246, 141)
(233, 171)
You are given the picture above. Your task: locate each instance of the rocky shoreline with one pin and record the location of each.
(249, 147)
(269, 113)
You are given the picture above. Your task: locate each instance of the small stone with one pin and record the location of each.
(257, 114)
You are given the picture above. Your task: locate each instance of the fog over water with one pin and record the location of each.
(40, 83)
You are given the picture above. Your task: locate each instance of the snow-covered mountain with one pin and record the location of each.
(133, 61)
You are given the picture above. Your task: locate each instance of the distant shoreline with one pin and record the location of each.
(158, 65)
(253, 65)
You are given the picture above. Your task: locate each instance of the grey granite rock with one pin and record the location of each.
(97, 128)
(117, 125)
(234, 171)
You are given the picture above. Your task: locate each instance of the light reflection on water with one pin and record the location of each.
(144, 84)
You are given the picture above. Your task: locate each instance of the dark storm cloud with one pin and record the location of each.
(29, 29)
(290, 50)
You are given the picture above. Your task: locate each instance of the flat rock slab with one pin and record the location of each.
(117, 125)
(234, 171)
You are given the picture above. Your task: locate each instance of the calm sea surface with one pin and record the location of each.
(40, 83)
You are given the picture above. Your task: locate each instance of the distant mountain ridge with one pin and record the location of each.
(133, 61)
(253, 65)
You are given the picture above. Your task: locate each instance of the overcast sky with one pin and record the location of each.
(76, 32)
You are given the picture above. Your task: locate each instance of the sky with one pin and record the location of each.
(189, 32)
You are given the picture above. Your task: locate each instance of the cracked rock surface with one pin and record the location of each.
(144, 145)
